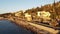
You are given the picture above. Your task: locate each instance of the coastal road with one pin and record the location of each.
(34, 27)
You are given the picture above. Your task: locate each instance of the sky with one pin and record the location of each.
(16, 5)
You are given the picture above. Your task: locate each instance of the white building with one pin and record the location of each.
(44, 15)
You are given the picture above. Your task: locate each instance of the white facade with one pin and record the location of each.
(44, 15)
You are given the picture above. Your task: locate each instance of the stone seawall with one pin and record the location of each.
(37, 29)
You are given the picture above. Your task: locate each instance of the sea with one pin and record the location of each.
(8, 27)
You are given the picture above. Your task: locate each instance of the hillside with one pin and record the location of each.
(54, 9)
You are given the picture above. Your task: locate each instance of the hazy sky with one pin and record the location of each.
(15, 5)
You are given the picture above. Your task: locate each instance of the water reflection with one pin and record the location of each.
(7, 27)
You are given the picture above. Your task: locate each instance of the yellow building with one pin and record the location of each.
(28, 17)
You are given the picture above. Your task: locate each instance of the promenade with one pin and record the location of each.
(37, 29)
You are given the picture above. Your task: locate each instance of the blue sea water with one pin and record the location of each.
(7, 27)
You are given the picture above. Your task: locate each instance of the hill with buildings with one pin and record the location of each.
(53, 9)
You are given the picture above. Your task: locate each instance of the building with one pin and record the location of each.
(43, 15)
